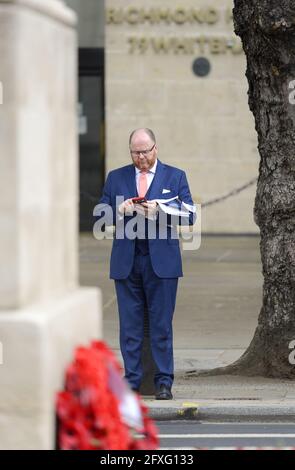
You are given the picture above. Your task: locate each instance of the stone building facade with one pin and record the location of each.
(178, 68)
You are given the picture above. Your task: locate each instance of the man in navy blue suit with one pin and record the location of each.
(146, 268)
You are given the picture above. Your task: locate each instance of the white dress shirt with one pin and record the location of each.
(150, 175)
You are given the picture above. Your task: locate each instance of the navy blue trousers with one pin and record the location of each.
(160, 295)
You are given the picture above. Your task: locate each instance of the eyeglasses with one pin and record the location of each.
(137, 153)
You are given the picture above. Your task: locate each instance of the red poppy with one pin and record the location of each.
(91, 407)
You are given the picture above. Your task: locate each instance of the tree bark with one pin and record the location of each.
(267, 30)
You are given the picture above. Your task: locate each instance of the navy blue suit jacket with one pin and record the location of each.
(164, 253)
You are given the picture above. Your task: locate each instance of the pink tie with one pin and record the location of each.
(142, 187)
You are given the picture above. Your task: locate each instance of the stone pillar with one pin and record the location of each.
(44, 313)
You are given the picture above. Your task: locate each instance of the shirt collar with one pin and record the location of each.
(151, 170)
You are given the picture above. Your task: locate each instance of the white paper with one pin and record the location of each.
(128, 403)
(183, 212)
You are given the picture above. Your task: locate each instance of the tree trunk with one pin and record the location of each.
(267, 30)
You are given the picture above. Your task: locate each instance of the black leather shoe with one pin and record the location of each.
(163, 393)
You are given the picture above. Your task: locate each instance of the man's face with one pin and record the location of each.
(143, 151)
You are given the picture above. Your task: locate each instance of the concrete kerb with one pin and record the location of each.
(223, 413)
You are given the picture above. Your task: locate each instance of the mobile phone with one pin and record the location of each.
(138, 200)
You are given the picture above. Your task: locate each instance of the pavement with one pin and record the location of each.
(218, 303)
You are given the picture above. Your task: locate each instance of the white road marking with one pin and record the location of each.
(223, 436)
(178, 448)
(253, 448)
(227, 448)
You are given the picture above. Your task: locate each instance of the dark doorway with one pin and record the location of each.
(91, 132)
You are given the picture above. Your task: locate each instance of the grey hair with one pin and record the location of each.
(149, 132)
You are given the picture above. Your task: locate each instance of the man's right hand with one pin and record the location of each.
(127, 207)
